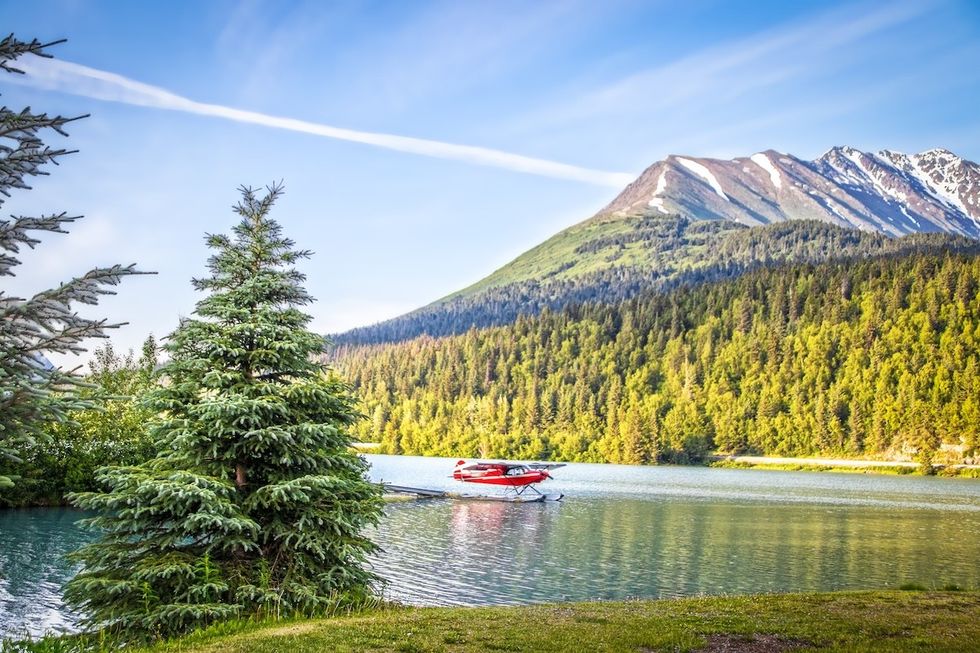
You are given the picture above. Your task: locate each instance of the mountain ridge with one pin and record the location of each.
(934, 191)
(684, 218)
(665, 253)
(888, 191)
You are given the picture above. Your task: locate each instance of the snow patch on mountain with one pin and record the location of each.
(939, 170)
(763, 162)
(658, 202)
(877, 178)
(704, 173)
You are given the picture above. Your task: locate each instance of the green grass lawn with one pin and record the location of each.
(849, 621)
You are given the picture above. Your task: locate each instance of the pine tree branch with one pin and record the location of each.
(11, 49)
(23, 126)
(14, 233)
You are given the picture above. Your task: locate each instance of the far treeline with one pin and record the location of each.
(110, 430)
(877, 358)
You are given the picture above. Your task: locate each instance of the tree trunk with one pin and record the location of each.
(239, 476)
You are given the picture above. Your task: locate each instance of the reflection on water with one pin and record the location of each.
(463, 553)
(621, 532)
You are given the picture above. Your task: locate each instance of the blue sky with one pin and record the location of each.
(591, 92)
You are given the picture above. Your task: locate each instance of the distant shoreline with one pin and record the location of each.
(788, 463)
(841, 465)
(832, 462)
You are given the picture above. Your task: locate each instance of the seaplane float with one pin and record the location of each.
(517, 479)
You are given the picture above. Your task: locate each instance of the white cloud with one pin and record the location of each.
(67, 77)
(717, 75)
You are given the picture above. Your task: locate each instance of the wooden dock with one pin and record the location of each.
(421, 493)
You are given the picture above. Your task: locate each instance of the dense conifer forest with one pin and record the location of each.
(613, 260)
(877, 357)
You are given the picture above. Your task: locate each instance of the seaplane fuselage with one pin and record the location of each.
(508, 474)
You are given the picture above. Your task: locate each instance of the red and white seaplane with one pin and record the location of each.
(516, 477)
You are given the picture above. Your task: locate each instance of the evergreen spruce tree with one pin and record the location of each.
(255, 504)
(33, 393)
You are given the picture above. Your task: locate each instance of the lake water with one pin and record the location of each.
(620, 532)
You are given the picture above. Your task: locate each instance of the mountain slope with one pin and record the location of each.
(662, 253)
(686, 220)
(890, 192)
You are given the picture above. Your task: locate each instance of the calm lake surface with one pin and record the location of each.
(620, 532)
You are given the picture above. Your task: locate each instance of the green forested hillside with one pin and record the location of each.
(879, 358)
(611, 259)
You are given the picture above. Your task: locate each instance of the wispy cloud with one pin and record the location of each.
(76, 79)
(832, 55)
(449, 50)
(723, 72)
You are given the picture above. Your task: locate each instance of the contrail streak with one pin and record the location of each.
(75, 79)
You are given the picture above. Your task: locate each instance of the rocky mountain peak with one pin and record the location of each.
(888, 191)
(938, 154)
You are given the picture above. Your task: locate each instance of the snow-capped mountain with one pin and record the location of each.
(891, 192)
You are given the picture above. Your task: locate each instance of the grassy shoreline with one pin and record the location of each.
(839, 621)
(843, 465)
